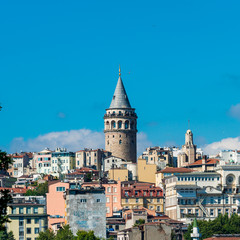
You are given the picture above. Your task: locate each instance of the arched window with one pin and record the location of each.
(107, 125)
(120, 141)
(113, 124)
(127, 124)
(119, 124)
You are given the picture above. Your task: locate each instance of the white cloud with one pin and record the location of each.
(235, 111)
(73, 140)
(224, 144)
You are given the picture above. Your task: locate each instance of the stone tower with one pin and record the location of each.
(188, 154)
(120, 125)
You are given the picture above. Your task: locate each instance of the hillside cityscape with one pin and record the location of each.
(112, 193)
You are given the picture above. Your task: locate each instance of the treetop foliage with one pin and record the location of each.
(220, 225)
(66, 233)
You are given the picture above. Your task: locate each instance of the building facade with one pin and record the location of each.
(137, 195)
(86, 210)
(120, 126)
(56, 203)
(91, 158)
(203, 195)
(188, 154)
(27, 217)
(42, 161)
(62, 161)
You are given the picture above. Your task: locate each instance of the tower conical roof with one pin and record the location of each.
(195, 223)
(120, 98)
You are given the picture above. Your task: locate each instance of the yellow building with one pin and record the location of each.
(118, 174)
(136, 195)
(146, 172)
(27, 217)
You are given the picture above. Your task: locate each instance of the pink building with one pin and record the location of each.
(42, 161)
(112, 193)
(56, 203)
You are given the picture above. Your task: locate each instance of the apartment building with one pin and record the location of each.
(56, 203)
(27, 217)
(159, 156)
(91, 158)
(86, 210)
(141, 194)
(20, 161)
(42, 161)
(62, 161)
(203, 195)
(112, 193)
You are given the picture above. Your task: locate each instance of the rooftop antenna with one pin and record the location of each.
(188, 124)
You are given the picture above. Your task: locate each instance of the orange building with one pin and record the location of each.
(112, 193)
(56, 203)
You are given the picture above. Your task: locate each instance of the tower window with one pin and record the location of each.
(113, 123)
(120, 135)
(119, 124)
(126, 124)
(120, 141)
(107, 142)
(113, 136)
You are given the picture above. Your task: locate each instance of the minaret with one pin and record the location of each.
(189, 148)
(195, 235)
(120, 125)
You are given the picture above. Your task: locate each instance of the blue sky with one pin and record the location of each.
(59, 67)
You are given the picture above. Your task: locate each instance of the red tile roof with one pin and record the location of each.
(210, 161)
(15, 190)
(175, 170)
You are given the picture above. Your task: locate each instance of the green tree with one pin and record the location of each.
(47, 235)
(139, 222)
(40, 190)
(6, 236)
(220, 225)
(5, 161)
(83, 235)
(65, 233)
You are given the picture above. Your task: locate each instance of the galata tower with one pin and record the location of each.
(120, 125)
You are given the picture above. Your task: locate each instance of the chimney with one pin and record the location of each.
(204, 161)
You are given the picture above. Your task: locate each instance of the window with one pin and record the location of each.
(29, 239)
(137, 200)
(36, 220)
(219, 200)
(29, 210)
(107, 199)
(21, 210)
(158, 200)
(219, 211)
(120, 141)
(28, 220)
(115, 199)
(189, 211)
(211, 200)
(98, 200)
(109, 189)
(197, 212)
(227, 211)
(115, 189)
(60, 189)
(108, 210)
(29, 231)
(14, 210)
(234, 200)
(36, 230)
(211, 212)
(35, 210)
(126, 200)
(226, 200)
(83, 200)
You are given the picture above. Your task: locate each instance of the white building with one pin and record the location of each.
(42, 161)
(203, 195)
(229, 156)
(62, 161)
